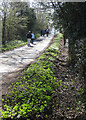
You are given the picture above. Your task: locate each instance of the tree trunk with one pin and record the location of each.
(3, 29)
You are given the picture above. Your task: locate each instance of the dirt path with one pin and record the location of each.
(68, 99)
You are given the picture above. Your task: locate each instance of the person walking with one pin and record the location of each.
(42, 32)
(47, 32)
(29, 36)
(33, 37)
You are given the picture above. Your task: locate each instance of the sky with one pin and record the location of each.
(18, 0)
(31, 1)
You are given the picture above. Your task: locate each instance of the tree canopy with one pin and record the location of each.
(70, 18)
(17, 19)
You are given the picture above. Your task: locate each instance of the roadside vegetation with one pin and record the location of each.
(12, 45)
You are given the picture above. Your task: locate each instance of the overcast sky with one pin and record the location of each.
(30, 0)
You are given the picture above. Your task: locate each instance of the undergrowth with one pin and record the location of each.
(12, 45)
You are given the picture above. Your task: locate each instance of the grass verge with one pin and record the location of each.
(12, 45)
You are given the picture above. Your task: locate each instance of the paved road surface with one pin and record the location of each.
(17, 58)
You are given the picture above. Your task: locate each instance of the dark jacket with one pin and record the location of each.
(29, 35)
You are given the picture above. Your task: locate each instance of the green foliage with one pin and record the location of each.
(17, 20)
(37, 35)
(11, 45)
(31, 96)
